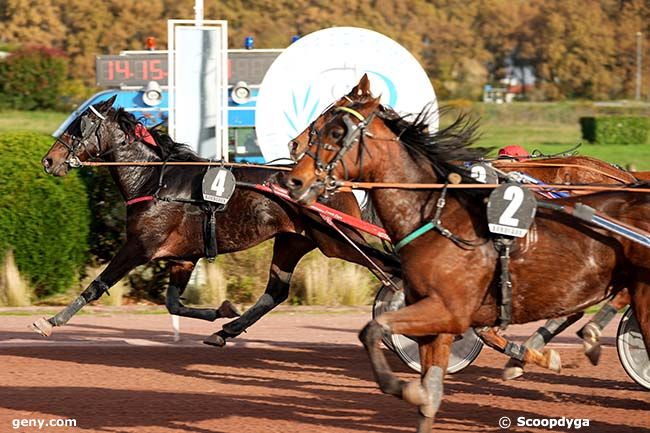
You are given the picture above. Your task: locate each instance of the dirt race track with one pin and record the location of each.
(296, 371)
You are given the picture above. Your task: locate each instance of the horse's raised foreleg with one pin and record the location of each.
(127, 258)
(288, 249)
(422, 320)
(179, 276)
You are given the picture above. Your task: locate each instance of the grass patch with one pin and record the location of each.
(45, 122)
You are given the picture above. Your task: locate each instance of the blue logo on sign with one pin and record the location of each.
(303, 109)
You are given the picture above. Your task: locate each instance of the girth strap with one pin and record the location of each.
(210, 233)
(502, 245)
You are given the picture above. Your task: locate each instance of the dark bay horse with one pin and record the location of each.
(451, 272)
(171, 227)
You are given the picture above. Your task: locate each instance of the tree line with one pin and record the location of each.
(576, 48)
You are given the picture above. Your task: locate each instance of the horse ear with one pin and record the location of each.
(361, 90)
(107, 104)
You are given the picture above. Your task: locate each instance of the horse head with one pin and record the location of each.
(299, 145)
(95, 134)
(324, 150)
(358, 138)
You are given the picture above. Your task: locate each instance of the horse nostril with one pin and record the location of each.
(47, 162)
(294, 183)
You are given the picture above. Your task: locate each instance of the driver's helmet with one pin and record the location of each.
(513, 151)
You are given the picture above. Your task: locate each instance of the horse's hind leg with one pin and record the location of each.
(590, 333)
(127, 258)
(288, 249)
(529, 352)
(641, 305)
(179, 276)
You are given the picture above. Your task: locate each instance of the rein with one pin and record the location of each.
(349, 185)
(503, 164)
(195, 163)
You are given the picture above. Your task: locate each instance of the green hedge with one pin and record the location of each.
(615, 129)
(43, 219)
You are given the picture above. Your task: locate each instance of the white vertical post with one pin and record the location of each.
(198, 13)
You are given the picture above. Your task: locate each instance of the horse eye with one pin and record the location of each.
(336, 133)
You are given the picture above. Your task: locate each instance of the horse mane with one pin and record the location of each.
(167, 149)
(442, 149)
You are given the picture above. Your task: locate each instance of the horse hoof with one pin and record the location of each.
(42, 326)
(513, 369)
(228, 310)
(414, 393)
(554, 360)
(215, 340)
(592, 351)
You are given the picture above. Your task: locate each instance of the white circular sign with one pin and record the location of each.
(320, 68)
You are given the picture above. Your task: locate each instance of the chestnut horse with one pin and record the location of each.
(550, 170)
(170, 226)
(451, 272)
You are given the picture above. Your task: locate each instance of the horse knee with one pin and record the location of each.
(279, 284)
(95, 291)
(371, 333)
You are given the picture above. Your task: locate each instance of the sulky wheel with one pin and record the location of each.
(463, 351)
(631, 349)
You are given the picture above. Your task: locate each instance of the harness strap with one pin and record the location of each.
(353, 112)
(211, 249)
(414, 235)
(502, 245)
(434, 223)
(97, 113)
(139, 199)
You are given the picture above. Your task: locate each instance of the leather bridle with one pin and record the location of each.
(354, 133)
(88, 127)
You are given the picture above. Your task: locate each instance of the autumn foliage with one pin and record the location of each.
(32, 77)
(577, 49)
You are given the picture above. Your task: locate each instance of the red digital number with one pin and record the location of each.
(111, 70)
(123, 69)
(157, 73)
(143, 70)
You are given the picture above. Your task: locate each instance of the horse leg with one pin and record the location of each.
(641, 305)
(425, 318)
(180, 273)
(521, 354)
(535, 343)
(590, 333)
(426, 393)
(127, 258)
(288, 249)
